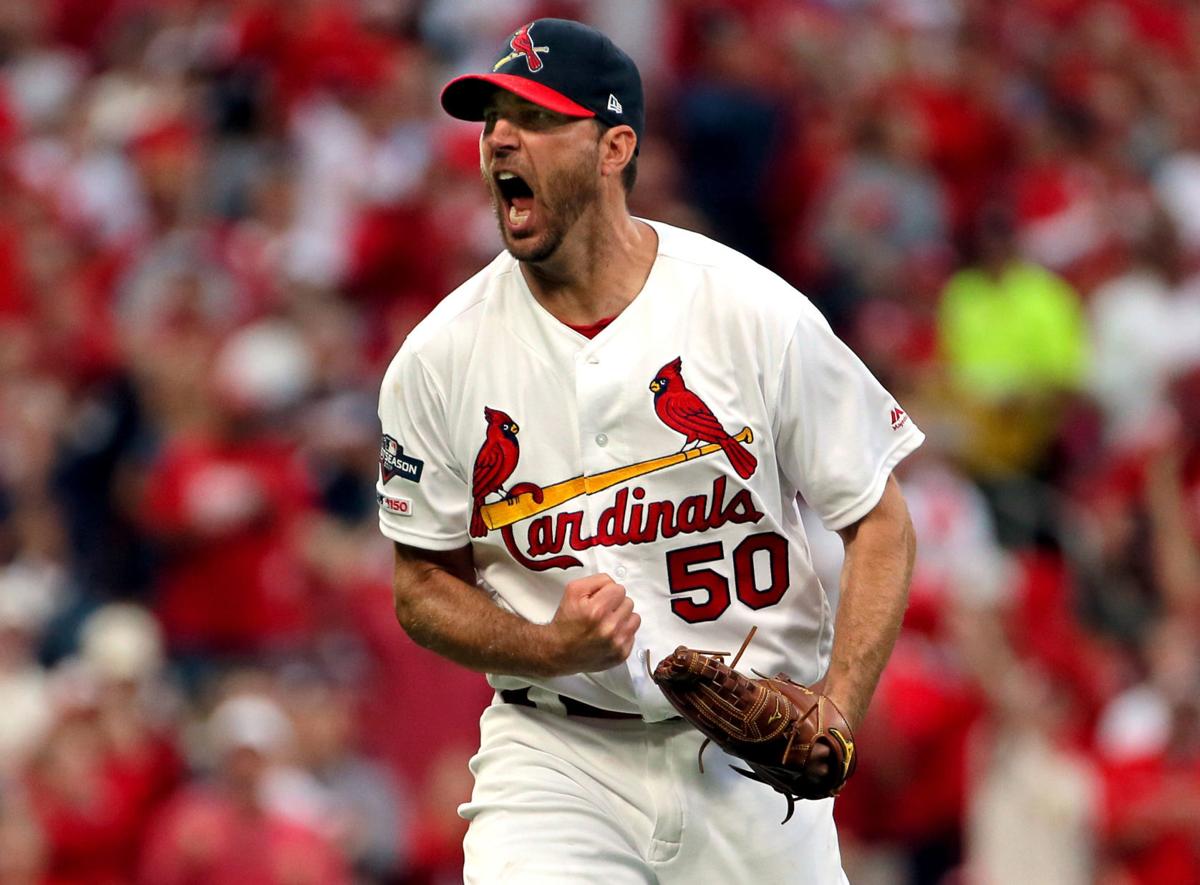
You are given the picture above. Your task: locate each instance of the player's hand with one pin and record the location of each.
(820, 763)
(594, 626)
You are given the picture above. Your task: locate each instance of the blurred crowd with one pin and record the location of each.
(218, 220)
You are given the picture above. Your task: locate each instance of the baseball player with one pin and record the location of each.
(591, 454)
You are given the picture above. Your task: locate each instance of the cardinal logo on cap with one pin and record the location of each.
(522, 45)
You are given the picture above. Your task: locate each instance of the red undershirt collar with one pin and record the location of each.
(591, 330)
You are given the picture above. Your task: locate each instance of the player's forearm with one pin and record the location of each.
(880, 550)
(440, 611)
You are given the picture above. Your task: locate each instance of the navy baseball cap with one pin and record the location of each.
(560, 65)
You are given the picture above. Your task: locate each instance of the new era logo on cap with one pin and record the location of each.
(613, 104)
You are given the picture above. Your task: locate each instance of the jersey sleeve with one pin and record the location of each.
(839, 432)
(421, 491)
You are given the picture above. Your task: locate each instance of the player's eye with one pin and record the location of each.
(539, 118)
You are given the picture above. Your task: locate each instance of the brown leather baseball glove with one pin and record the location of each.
(772, 723)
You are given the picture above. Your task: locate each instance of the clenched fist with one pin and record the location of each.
(594, 626)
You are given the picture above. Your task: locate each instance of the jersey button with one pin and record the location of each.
(602, 439)
(621, 571)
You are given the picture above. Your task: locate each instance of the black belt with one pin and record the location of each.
(520, 697)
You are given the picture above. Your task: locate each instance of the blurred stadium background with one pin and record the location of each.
(218, 219)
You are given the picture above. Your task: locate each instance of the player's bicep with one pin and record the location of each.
(890, 509)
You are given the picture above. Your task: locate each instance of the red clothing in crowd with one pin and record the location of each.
(204, 837)
(403, 677)
(87, 839)
(1153, 811)
(1191, 492)
(918, 728)
(967, 145)
(306, 48)
(14, 297)
(226, 513)
(94, 811)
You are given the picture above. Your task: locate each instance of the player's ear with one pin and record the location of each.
(617, 147)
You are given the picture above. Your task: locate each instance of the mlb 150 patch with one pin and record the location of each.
(398, 506)
(393, 462)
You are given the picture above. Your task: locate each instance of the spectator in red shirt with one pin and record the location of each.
(1150, 738)
(225, 502)
(109, 759)
(229, 832)
(88, 812)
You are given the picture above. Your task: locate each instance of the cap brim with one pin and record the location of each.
(466, 97)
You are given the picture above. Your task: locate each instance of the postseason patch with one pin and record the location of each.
(393, 462)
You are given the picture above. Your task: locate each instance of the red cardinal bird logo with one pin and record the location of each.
(686, 413)
(494, 464)
(522, 45)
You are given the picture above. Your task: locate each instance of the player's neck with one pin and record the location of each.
(597, 271)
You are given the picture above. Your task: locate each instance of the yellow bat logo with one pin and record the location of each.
(524, 506)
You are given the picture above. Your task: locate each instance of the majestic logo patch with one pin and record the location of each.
(398, 506)
(614, 105)
(393, 462)
(522, 45)
(898, 418)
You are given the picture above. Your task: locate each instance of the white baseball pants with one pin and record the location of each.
(568, 799)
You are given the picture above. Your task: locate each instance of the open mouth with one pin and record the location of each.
(518, 198)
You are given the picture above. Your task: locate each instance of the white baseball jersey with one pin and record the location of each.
(552, 455)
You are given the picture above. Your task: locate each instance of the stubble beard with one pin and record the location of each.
(566, 195)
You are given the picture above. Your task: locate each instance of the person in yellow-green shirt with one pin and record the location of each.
(1013, 338)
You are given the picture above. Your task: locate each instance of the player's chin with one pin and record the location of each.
(530, 245)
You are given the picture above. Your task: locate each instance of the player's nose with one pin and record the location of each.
(499, 135)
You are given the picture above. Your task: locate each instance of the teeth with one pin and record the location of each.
(505, 176)
(516, 216)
